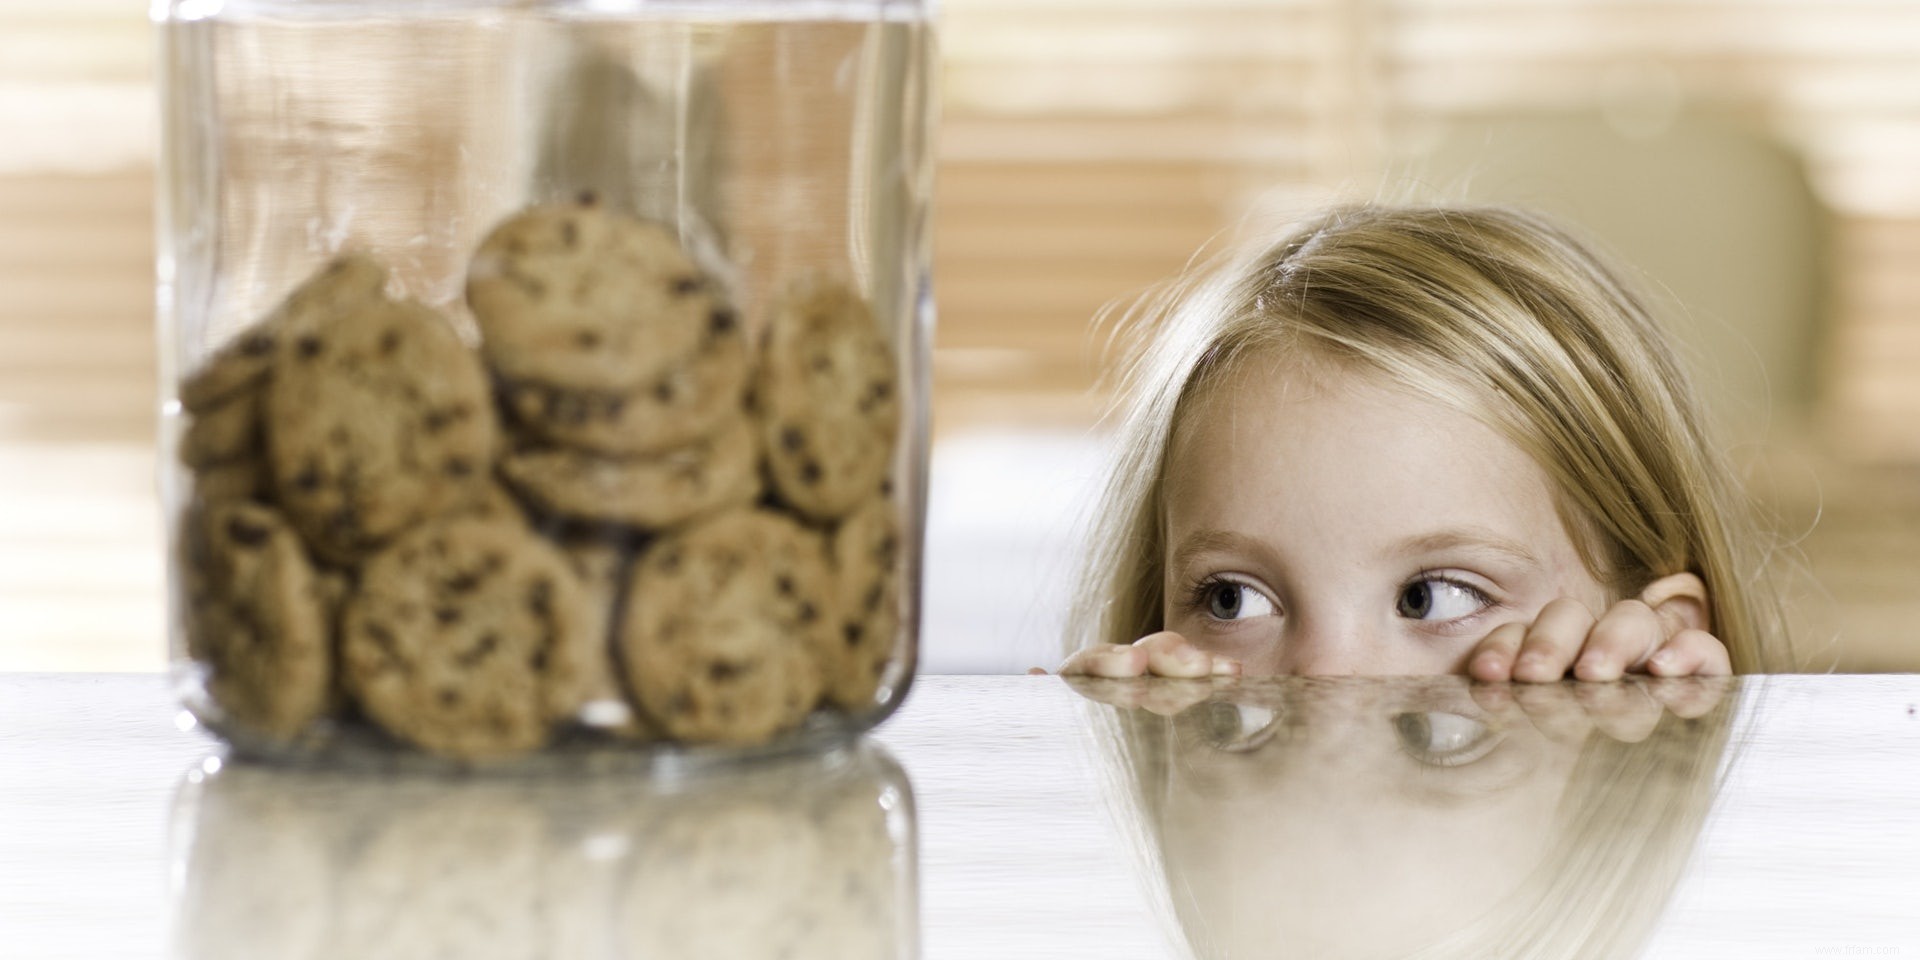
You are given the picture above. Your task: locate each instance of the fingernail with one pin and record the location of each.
(1589, 661)
(1226, 668)
(1663, 660)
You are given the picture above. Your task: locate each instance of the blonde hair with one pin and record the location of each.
(1489, 310)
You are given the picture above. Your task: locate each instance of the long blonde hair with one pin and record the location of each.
(1492, 311)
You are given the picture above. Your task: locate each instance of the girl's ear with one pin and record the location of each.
(1681, 601)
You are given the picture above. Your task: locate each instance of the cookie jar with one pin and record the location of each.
(543, 378)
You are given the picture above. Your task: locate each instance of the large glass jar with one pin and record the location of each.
(543, 377)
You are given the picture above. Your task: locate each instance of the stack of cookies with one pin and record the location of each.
(624, 508)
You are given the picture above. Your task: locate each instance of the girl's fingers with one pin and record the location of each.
(1170, 655)
(1552, 710)
(1106, 660)
(1492, 658)
(1691, 653)
(1553, 640)
(1621, 641)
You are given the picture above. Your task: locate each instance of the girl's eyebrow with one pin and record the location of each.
(1468, 538)
(1214, 541)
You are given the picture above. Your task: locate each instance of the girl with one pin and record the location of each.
(1420, 441)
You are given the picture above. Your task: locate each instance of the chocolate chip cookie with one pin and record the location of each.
(255, 618)
(466, 638)
(603, 331)
(243, 363)
(378, 418)
(866, 553)
(647, 491)
(724, 627)
(828, 392)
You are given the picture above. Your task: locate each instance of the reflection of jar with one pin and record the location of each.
(811, 857)
(543, 375)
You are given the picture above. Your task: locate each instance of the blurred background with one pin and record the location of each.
(1757, 160)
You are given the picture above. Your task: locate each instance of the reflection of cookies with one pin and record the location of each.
(466, 638)
(829, 395)
(866, 556)
(245, 479)
(724, 624)
(649, 491)
(605, 332)
(244, 362)
(255, 619)
(376, 419)
(458, 874)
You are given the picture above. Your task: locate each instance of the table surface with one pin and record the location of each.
(1015, 816)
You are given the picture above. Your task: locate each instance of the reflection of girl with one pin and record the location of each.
(1420, 441)
(1420, 818)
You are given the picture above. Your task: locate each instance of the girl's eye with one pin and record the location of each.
(1227, 600)
(1437, 599)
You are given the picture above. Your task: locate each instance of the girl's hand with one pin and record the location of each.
(1163, 654)
(1663, 632)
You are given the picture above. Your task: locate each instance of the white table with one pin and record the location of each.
(1276, 818)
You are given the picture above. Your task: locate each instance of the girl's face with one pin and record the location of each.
(1322, 521)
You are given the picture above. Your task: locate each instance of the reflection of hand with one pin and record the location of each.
(1652, 634)
(1627, 712)
(1163, 654)
(1164, 696)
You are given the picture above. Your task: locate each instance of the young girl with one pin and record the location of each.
(1420, 441)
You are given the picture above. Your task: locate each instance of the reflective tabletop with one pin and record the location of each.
(1014, 816)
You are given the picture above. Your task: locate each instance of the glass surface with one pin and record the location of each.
(1413, 817)
(703, 326)
(813, 857)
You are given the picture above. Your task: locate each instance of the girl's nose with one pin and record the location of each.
(1330, 650)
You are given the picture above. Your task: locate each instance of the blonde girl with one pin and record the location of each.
(1420, 441)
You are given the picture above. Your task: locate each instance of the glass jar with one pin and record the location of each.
(543, 377)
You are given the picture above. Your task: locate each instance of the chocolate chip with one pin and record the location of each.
(886, 487)
(463, 583)
(308, 480)
(538, 661)
(784, 584)
(588, 198)
(489, 642)
(612, 406)
(663, 391)
(449, 696)
(721, 322)
(810, 472)
(257, 345)
(446, 616)
(686, 286)
(669, 561)
(569, 233)
(721, 672)
(872, 600)
(852, 632)
(458, 467)
(791, 439)
(389, 342)
(807, 613)
(382, 638)
(436, 421)
(307, 347)
(587, 339)
(540, 598)
(246, 534)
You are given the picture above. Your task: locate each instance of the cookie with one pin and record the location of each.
(466, 639)
(648, 491)
(224, 433)
(255, 618)
(866, 557)
(243, 363)
(724, 626)
(828, 392)
(245, 479)
(679, 402)
(579, 297)
(378, 418)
